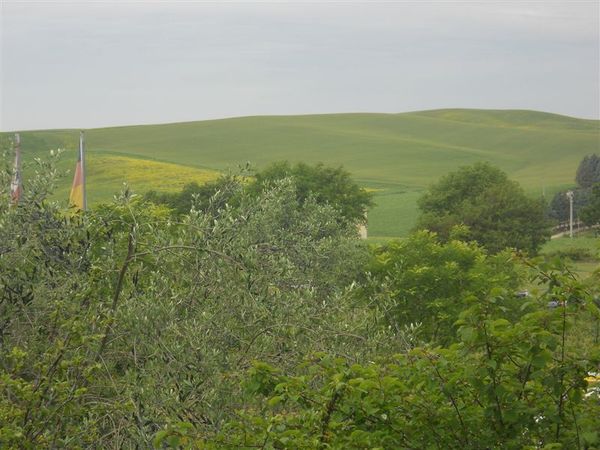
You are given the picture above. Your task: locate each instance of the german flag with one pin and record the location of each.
(77, 197)
(16, 186)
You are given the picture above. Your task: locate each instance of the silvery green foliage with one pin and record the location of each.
(265, 280)
(49, 319)
(119, 321)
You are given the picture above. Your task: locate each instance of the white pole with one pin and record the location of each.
(83, 175)
(570, 196)
(16, 184)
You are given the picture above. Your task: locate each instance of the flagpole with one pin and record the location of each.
(83, 175)
(16, 181)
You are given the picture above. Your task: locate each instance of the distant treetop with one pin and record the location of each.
(588, 172)
(494, 209)
(332, 185)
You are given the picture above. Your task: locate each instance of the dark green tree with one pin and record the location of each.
(494, 208)
(328, 185)
(197, 195)
(590, 214)
(559, 205)
(588, 171)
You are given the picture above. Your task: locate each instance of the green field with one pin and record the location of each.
(398, 155)
(586, 240)
(585, 245)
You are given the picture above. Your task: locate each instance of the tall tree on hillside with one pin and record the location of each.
(591, 213)
(588, 174)
(495, 209)
(559, 205)
(327, 185)
(588, 171)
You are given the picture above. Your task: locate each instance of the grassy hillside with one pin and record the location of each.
(397, 154)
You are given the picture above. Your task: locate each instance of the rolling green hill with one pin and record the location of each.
(396, 154)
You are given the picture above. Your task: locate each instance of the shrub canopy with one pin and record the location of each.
(495, 210)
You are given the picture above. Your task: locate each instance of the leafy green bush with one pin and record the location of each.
(495, 209)
(119, 320)
(325, 185)
(421, 280)
(503, 384)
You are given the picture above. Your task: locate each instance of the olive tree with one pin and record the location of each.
(121, 320)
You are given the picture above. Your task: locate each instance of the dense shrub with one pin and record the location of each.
(495, 210)
(516, 383)
(118, 321)
(421, 280)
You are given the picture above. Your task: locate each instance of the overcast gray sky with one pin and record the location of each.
(90, 64)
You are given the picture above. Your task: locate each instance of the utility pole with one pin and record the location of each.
(570, 197)
(16, 185)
